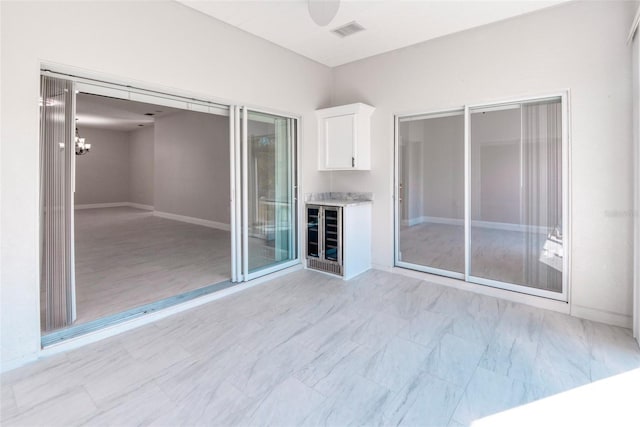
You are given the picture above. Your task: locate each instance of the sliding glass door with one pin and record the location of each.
(431, 193)
(481, 195)
(266, 233)
(159, 236)
(516, 194)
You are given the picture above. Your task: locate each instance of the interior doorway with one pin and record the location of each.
(163, 199)
(151, 204)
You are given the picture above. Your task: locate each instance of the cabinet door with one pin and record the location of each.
(339, 141)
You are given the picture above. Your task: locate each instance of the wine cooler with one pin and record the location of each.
(324, 238)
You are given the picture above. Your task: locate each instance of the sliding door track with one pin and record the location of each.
(74, 331)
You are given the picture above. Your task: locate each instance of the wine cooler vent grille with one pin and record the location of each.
(329, 267)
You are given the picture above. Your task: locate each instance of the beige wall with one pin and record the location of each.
(179, 165)
(102, 175)
(192, 165)
(443, 167)
(579, 46)
(412, 145)
(141, 157)
(495, 166)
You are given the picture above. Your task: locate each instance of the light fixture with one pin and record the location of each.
(81, 146)
(323, 11)
(49, 102)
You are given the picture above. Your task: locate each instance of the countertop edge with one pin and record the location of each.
(338, 202)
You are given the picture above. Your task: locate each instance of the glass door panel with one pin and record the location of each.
(516, 195)
(332, 237)
(431, 193)
(270, 191)
(313, 230)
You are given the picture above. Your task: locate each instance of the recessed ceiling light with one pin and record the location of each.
(348, 29)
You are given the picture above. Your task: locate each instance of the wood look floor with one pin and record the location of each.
(308, 349)
(127, 257)
(495, 254)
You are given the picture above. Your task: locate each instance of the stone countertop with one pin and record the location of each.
(339, 198)
(338, 202)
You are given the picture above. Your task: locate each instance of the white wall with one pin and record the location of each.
(161, 45)
(141, 149)
(192, 165)
(580, 46)
(102, 175)
(636, 128)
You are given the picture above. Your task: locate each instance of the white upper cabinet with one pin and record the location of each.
(344, 137)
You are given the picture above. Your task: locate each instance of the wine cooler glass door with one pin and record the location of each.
(313, 232)
(332, 235)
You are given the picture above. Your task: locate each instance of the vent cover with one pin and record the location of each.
(348, 29)
(327, 266)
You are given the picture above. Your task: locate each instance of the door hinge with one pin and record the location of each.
(353, 162)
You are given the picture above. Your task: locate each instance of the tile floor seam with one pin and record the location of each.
(464, 389)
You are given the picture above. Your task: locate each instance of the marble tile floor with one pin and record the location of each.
(127, 257)
(307, 349)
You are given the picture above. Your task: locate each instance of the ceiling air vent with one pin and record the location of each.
(348, 29)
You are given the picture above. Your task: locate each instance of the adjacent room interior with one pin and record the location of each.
(150, 186)
(151, 204)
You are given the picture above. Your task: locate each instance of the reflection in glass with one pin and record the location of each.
(271, 204)
(431, 191)
(516, 197)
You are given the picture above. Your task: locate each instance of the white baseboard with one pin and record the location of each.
(140, 206)
(102, 205)
(609, 318)
(440, 220)
(475, 223)
(616, 319)
(114, 205)
(167, 215)
(531, 300)
(7, 366)
(192, 220)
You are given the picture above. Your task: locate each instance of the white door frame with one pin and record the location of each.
(633, 39)
(566, 199)
(238, 207)
(242, 192)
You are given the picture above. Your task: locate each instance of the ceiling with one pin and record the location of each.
(389, 24)
(116, 114)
